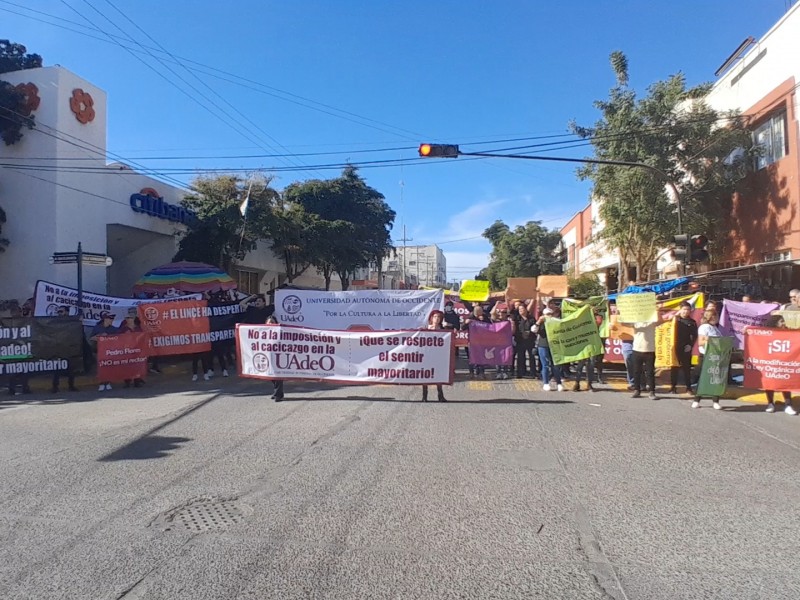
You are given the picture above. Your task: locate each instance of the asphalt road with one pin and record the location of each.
(504, 492)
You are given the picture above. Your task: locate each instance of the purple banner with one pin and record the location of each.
(490, 343)
(738, 315)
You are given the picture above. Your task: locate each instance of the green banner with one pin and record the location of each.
(574, 338)
(714, 373)
(599, 305)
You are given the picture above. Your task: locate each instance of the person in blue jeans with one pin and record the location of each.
(627, 356)
(545, 358)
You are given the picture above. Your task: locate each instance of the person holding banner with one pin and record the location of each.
(685, 338)
(131, 324)
(500, 314)
(644, 358)
(104, 327)
(475, 370)
(709, 327)
(545, 358)
(277, 384)
(435, 321)
(525, 341)
(779, 322)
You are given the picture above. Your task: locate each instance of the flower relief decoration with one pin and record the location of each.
(32, 99)
(82, 105)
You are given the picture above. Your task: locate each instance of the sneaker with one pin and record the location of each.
(696, 404)
(560, 387)
(789, 410)
(673, 390)
(636, 394)
(576, 387)
(505, 375)
(225, 372)
(108, 386)
(498, 376)
(652, 396)
(194, 377)
(209, 374)
(101, 387)
(717, 405)
(770, 408)
(207, 377)
(546, 387)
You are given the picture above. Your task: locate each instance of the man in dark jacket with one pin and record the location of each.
(685, 338)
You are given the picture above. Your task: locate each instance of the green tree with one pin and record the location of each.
(349, 224)
(13, 117)
(220, 236)
(585, 286)
(673, 130)
(526, 251)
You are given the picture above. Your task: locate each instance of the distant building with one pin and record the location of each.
(585, 251)
(425, 265)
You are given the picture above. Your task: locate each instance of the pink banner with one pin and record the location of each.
(490, 343)
(738, 315)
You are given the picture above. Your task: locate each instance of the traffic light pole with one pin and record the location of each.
(595, 161)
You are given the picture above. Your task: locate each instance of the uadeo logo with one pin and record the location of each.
(151, 313)
(261, 362)
(292, 305)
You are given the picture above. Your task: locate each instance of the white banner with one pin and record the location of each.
(50, 296)
(378, 310)
(401, 357)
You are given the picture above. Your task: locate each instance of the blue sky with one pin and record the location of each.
(368, 81)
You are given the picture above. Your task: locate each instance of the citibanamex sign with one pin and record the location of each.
(149, 202)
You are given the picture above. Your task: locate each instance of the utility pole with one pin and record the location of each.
(404, 239)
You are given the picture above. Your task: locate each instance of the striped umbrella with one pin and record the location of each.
(186, 277)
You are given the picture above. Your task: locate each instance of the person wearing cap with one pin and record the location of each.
(545, 358)
(104, 327)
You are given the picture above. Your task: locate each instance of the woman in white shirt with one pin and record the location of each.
(709, 327)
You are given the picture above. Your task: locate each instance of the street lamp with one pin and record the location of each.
(427, 150)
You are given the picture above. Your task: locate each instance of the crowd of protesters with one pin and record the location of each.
(532, 357)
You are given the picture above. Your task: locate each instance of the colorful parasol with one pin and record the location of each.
(185, 277)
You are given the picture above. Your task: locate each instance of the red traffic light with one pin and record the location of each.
(438, 151)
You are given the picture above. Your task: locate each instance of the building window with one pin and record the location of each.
(776, 256)
(247, 281)
(770, 136)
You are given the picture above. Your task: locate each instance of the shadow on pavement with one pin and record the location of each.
(431, 400)
(144, 448)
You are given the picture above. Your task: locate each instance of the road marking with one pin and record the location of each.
(479, 386)
(527, 386)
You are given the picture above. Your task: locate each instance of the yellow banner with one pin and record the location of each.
(697, 300)
(665, 345)
(637, 308)
(474, 291)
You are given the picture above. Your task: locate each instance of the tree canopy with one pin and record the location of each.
(13, 117)
(349, 224)
(336, 225)
(674, 130)
(526, 251)
(219, 235)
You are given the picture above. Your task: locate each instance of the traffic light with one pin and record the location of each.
(438, 150)
(699, 249)
(681, 249)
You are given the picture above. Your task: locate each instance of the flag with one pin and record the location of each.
(243, 206)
